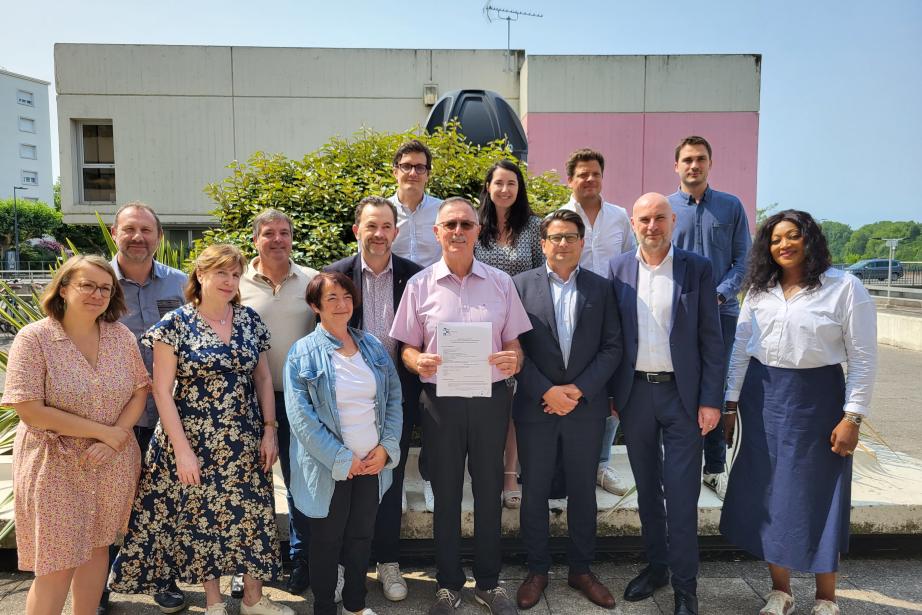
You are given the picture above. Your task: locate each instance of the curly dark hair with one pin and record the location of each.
(763, 272)
(519, 212)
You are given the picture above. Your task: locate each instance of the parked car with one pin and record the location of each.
(875, 269)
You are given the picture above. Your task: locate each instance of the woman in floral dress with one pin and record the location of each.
(205, 506)
(78, 383)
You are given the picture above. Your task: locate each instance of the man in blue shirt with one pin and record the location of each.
(151, 290)
(714, 225)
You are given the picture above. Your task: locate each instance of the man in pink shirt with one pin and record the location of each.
(456, 430)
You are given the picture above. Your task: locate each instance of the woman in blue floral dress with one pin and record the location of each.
(205, 505)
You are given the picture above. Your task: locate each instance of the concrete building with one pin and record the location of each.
(166, 120)
(25, 138)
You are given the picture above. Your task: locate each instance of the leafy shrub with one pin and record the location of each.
(320, 191)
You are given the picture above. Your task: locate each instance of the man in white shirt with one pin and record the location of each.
(668, 389)
(416, 210)
(274, 286)
(608, 234)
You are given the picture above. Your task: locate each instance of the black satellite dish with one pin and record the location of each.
(484, 116)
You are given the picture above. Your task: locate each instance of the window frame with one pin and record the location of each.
(34, 151)
(27, 119)
(81, 165)
(28, 182)
(25, 102)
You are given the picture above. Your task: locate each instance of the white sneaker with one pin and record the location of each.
(717, 483)
(395, 587)
(365, 611)
(607, 479)
(216, 609)
(429, 496)
(265, 607)
(778, 603)
(340, 581)
(825, 607)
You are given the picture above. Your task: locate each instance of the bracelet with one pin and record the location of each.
(271, 424)
(853, 417)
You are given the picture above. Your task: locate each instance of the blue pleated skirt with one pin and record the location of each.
(789, 495)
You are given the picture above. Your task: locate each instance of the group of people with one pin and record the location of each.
(596, 318)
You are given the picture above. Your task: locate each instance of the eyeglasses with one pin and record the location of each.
(563, 237)
(88, 288)
(451, 225)
(420, 169)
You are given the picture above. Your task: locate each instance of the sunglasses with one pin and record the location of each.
(451, 225)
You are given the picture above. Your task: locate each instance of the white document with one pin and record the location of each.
(465, 348)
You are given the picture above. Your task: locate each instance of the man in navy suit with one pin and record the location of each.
(668, 389)
(561, 403)
(382, 277)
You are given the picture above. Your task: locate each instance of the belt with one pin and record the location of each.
(655, 377)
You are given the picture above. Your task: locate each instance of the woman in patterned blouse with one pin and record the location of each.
(510, 241)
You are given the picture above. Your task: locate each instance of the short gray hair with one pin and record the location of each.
(457, 199)
(267, 216)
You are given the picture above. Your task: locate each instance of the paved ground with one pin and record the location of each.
(866, 586)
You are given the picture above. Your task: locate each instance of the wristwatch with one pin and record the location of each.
(721, 299)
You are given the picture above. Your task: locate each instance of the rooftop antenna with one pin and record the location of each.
(508, 15)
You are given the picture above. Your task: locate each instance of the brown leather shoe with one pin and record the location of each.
(592, 588)
(530, 590)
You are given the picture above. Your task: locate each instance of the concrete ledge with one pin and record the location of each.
(886, 499)
(900, 329)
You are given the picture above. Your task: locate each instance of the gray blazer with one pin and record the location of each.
(594, 353)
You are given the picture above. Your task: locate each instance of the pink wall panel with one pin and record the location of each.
(619, 136)
(734, 138)
(638, 149)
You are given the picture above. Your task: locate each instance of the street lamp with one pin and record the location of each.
(16, 225)
(891, 243)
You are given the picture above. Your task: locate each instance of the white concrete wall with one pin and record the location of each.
(900, 330)
(11, 164)
(180, 114)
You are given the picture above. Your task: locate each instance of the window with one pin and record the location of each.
(25, 98)
(33, 199)
(96, 157)
(176, 236)
(26, 124)
(29, 152)
(29, 178)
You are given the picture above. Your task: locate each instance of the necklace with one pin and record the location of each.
(223, 321)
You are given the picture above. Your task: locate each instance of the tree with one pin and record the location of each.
(35, 219)
(837, 236)
(320, 191)
(764, 212)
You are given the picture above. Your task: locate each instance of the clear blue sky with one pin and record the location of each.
(841, 110)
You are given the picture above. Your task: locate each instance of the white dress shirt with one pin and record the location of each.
(654, 314)
(416, 240)
(610, 236)
(834, 323)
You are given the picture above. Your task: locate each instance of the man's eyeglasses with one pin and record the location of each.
(88, 288)
(420, 169)
(451, 225)
(563, 237)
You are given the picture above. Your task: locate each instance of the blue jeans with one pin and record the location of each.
(715, 446)
(299, 529)
(608, 438)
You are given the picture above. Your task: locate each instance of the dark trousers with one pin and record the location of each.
(386, 545)
(544, 446)
(456, 429)
(668, 478)
(299, 529)
(715, 446)
(347, 529)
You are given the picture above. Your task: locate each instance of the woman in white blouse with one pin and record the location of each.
(789, 494)
(343, 399)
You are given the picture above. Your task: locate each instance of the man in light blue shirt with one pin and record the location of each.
(714, 225)
(151, 290)
(416, 210)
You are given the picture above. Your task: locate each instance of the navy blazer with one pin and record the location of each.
(594, 353)
(695, 340)
(403, 270)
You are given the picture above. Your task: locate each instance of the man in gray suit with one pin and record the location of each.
(561, 404)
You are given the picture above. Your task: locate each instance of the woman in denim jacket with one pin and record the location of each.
(344, 405)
